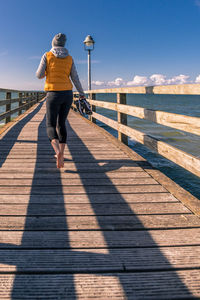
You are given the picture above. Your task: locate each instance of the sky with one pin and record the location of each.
(137, 42)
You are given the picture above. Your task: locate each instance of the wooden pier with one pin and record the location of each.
(107, 226)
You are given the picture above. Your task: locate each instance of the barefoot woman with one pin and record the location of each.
(58, 67)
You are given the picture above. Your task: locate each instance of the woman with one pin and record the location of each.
(58, 67)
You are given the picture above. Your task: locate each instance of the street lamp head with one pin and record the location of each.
(89, 43)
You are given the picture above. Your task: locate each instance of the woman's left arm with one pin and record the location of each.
(40, 73)
(76, 81)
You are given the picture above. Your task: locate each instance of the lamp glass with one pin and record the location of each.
(88, 44)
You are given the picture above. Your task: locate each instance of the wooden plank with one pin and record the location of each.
(35, 261)
(68, 156)
(185, 160)
(84, 198)
(75, 152)
(99, 223)
(147, 259)
(28, 143)
(98, 239)
(5, 177)
(137, 286)
(94, 209)
(48, 190)
(79, 159)
(46, 147)
(69, 167)
(78, 182)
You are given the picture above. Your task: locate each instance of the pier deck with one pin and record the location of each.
(101, 228)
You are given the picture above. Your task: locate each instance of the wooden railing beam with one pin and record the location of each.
(177, 121)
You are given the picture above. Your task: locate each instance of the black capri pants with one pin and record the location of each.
(58, 104)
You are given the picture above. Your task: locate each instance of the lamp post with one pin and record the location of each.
(89, 46)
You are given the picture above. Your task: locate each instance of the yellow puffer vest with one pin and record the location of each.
(57, 73)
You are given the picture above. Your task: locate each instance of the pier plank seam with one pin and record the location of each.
(97, 249)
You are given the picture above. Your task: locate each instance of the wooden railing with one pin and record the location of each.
(177, 121)
(25, 100)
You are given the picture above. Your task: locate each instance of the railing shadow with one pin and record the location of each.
(48, 257)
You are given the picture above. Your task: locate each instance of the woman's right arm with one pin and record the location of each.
(40, 73)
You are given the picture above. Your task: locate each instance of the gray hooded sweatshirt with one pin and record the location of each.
(60, 52)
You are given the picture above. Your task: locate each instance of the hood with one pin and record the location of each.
(59, 52)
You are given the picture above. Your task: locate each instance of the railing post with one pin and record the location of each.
(8, 106)
(37, 97)
(20, 103)
(92, 96)
(32, 97)
(27, 100)
(122, 118)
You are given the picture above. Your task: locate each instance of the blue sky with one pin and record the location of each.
(138, 42)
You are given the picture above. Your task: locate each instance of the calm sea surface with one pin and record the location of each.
(190, 143)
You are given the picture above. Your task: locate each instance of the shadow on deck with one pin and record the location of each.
(59, 260)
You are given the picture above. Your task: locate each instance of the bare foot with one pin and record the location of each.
(62, 164)
(59, 160)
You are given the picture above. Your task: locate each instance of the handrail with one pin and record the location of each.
(172, 89)
(26, 99)
(178, 121)
(14, 100)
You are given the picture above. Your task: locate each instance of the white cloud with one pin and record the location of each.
(154, 79)
(197, 80)
(138, 80)
(98, 83)
(158, 79)
(117, 82)
(180, 79)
